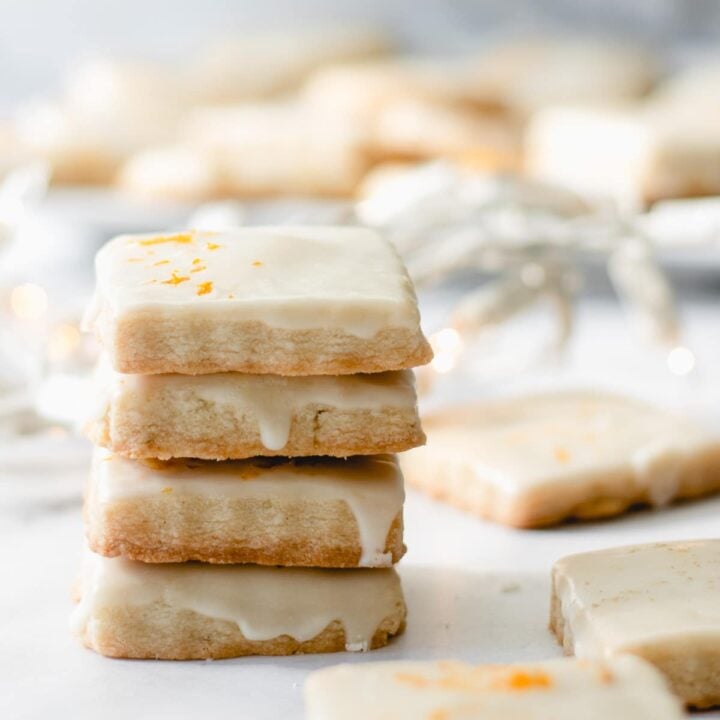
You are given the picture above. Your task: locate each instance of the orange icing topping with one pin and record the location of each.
(204, 288)
(175, 279)
(179, 238)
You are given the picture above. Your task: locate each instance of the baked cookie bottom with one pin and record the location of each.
(192, 344)
(168, 428)
(174, 528)
(160, 632)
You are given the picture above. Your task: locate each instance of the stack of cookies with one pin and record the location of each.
(243, 498)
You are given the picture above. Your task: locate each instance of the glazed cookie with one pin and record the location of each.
(621, 688)
(284, 300)
(233, 415)
(195, 611)
(538, 460)
(659, 601)
(317, 512)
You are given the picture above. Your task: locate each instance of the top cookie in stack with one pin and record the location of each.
(286, 301)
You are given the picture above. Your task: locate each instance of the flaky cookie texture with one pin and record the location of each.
(219, 432)
(162, 632)
(231, 530)
(610, 494)
(150, 342)
(696, 682)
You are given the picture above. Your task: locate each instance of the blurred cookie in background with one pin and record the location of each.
(522, 76)
(266, 64)
(108, 110)
(636, 155)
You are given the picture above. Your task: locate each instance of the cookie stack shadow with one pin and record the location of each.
(244, 496)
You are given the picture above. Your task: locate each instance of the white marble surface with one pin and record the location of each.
(475, 591)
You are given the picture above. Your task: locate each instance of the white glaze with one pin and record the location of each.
(342, 278)
(641, 596)
(372, 486)
(564, 440)
(623, 689)
(271, 400)
(264, 602)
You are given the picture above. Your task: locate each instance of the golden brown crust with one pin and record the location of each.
(160, 632)
(181, 528)
(213, 432)
(150, 343)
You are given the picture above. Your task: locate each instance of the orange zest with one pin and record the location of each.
(179, 238)
(204, 288)
(175, 279)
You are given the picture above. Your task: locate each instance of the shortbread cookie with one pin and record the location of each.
(279, 149)
(422, 130)
(194, 611)
(316, 512)
(284, 300)
(659, 601)
(233, 415)
(267, 64)
(528, 74)
(413, 109)
(622, 688)
(534, 461)
(636, 156)
(171, 172)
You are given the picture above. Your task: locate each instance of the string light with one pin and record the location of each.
(681, 361)
(29, 302)
(63, 341)
(447, 346)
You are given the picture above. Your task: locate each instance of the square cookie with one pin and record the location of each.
(233, 415)
(537, 460)
(285, 300)
(636, 156)
(659, 601)
(194, 611)
(314, 512)
(621, 688)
